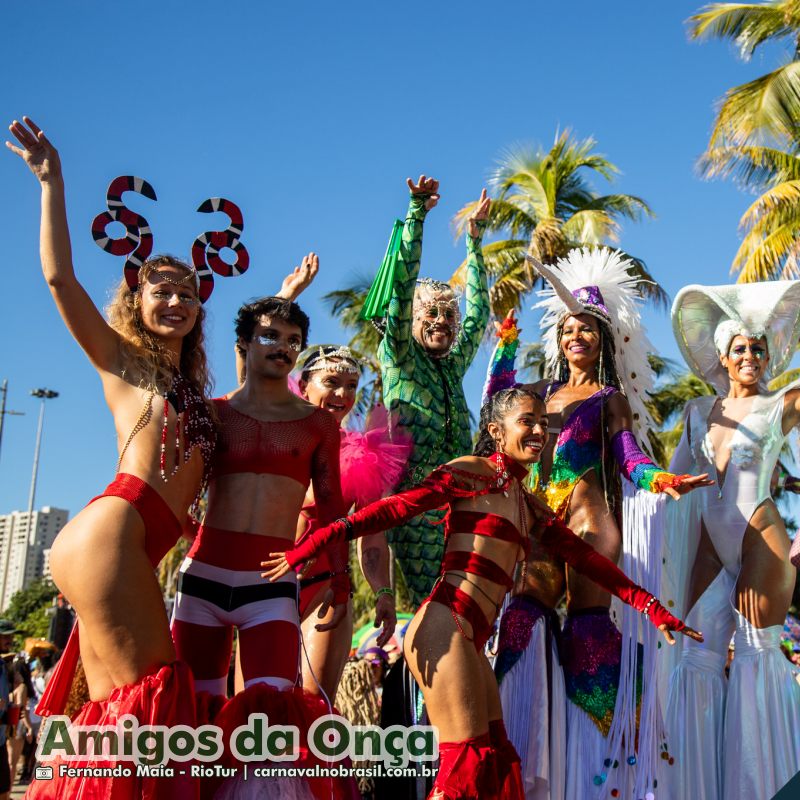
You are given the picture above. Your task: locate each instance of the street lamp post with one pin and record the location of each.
(3, 412)
(44, 394)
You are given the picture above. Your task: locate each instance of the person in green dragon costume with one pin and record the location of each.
(424, 354)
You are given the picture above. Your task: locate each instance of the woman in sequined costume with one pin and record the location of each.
(591, 423)
(490, 524)
(153, 369)
(735, 738)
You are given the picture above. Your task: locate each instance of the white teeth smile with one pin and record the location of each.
(534, 444)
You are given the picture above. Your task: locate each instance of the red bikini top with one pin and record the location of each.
(481, 524)
(246, 444)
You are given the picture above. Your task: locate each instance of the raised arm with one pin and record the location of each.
(477, 312)
(635, 464)
(397, 339)
(300, 278)
(97, 339)
(583, 558)
(501, 372)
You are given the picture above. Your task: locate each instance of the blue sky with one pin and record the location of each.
(310, 117)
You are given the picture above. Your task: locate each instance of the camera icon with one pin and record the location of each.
(44, 773)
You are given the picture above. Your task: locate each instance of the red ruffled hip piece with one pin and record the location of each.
(282, 707)
(162, 698)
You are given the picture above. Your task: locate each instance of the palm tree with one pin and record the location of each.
(346, 304)
(666, 406)
(544, 203)
(770, 104)
(756, 140)
(771, 225)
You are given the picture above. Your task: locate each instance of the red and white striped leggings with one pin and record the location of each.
(220, 587)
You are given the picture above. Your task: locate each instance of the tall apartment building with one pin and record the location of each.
(25, 547)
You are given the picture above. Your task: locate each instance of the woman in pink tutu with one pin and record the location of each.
(370, 466)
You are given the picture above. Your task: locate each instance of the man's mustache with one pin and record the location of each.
(280, 357)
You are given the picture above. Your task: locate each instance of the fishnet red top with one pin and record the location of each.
(305, 450)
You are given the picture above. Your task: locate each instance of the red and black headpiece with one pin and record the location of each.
(137, 243)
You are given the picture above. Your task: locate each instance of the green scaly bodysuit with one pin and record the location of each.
(425, 396)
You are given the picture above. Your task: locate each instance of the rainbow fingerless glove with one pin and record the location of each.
(501, 373)
(638, 468)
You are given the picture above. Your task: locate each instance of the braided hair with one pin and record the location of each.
(494, 410)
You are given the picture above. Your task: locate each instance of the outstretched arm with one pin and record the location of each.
(477, 311)
(636, 465)
(381, 515)
(397, 339)
(97, 339)
(583, 558)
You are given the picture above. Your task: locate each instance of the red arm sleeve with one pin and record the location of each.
(378, 516)
(583, 558)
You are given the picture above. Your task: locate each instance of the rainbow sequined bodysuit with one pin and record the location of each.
(578, 450)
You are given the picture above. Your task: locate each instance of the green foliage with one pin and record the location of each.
(345, 305)
(27, 608)
(543, 202)
(666, 404)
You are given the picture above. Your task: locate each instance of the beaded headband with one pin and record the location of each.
(137, 242)
(427, 294)
(339, 360)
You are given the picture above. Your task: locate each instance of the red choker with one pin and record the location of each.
(509, 465)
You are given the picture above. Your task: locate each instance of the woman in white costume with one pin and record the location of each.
(740, 740)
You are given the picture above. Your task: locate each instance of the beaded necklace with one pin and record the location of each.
(193, 425)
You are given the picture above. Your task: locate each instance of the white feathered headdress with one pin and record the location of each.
(597, 282)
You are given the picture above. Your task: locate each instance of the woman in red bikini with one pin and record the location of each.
(490, 515)
(152, 365)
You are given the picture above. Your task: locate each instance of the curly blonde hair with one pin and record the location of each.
(144, 355)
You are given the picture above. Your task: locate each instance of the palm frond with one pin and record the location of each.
(763, 252)
(746, 24)
(752, 167)
(346, 305)
(784, 379)
(670, 398)
(778, 205)
(766, 106)
(532, 362)
(503, 215)
(544, 204)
